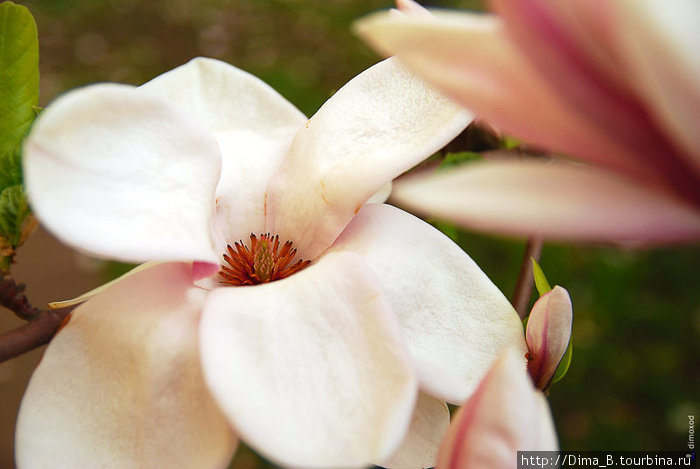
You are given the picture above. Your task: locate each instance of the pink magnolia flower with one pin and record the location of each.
(278, 307)
(506, 414)
(612, 83)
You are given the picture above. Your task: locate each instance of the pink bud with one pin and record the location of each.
(548, 334)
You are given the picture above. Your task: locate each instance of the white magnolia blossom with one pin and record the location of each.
(613, 83)
(171, 364)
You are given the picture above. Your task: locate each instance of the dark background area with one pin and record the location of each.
(634, 378)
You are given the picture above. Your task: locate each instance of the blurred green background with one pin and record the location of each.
(635, 375)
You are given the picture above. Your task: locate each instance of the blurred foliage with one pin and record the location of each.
(634, 378)
(19, 96)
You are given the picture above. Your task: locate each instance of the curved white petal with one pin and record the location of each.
(123, 175)
(471, 58)
(254, 126)
(419, 448)
(224, 99)
(552, 200)
(121, 386)
(378, 125)
(505, 415)
(661, 45)
(548, 334)
(311, 369)
(454, 319)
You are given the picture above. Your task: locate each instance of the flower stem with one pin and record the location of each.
(523, 286)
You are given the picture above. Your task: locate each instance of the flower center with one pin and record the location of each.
(262, 262)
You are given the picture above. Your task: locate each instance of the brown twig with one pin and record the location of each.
(523, 286)
(12, 298)
(35, 333)
(42, 325)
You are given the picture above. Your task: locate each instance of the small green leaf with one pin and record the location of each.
(10, 168)
(455, 159)
(13, 211)
(19, 74)
(563, 364)
(540, 280)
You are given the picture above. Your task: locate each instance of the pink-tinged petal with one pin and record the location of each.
(419, 448)
(254, 126)
(454, 319)
(380, 124)
(412, 8)
(121, 383)
(311, 370)
(123, 175)
(505, 415)
(552, 200)
(542, 33)
(548, 334)
(471, 59)
(661, 44)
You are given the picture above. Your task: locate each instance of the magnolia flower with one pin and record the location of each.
(612, 83)
(278, 307)
(548, 334)
(503, 416)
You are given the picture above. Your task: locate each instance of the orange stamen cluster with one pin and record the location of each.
(263, 262)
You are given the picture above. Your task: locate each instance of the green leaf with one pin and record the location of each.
(10, 168)
(19, 75)
(455, 159)
(13, 211)
(540, 280)
(564, 364)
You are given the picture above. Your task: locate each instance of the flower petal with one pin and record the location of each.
(454, 319)
(548, 334)
(552, 200)
(410, 7)
(123, 175)
(310, 370)
(498, 420)
(224, 98)
(121, 386)
(471, 58)
(378, 125)
(254, 126)
(541, 29)
(419, 449)
(661, 45)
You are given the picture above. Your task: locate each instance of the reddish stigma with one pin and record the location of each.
(262, 262)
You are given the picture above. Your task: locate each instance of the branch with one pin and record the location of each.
(35, 333)
(11, 297)
(523, 286)
(42, 325)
